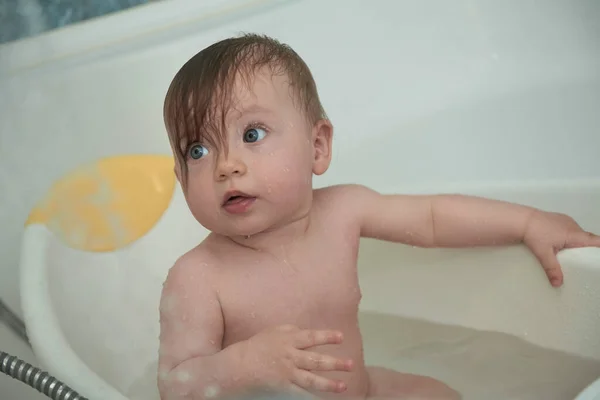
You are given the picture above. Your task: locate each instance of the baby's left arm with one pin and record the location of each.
(467, 221)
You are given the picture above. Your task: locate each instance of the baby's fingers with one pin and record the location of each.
(309, 381)
(583, 239)
(320, 362)
(309, 338)
(551, 267)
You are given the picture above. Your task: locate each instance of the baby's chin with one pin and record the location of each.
(250, 225)
(239, 229)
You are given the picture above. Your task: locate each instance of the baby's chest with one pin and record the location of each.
(303, 291)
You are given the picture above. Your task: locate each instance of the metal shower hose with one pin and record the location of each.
(38, 379)
(56, 390)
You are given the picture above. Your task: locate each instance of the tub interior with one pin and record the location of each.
(483, 320)
(479, 364)
(486, 321)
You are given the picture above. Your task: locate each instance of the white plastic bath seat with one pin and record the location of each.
(94, 255)
(96, 251)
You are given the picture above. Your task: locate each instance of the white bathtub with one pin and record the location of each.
(93, 322)
(456, 94)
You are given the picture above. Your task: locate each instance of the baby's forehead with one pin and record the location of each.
(262, 84)
(261, 91)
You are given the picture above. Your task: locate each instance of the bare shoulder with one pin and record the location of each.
(196, 267)
(346, 199)
(346, 189)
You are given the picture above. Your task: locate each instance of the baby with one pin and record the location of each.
(270, 298)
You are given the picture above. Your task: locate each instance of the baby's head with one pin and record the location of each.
(244, 118)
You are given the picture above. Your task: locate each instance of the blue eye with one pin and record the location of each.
(254, 135)
(197, 151)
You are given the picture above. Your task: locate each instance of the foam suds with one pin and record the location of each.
(480, 365)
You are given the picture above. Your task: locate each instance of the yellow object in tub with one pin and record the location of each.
(108, 204)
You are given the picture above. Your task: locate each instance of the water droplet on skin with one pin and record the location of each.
(247, 236)
(211, 391)
(252, 315)
(212, 342)
(286, 169)
(184, 391)
(183, 376)
(163, 374)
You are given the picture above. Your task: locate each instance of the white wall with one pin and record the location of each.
(381, 66)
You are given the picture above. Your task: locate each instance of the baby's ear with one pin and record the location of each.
(322, 136)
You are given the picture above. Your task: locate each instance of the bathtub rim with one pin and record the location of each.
(49, 344)
(483, 186)
(110, 31)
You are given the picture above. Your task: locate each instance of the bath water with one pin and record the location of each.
(480, 365)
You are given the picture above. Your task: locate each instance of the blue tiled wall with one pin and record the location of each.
(23, 18)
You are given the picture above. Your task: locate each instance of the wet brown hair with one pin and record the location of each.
(200, 95)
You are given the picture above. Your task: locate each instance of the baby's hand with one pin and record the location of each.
(280, 355)
(548, 233)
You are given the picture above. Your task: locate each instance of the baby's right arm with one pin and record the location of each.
(192, 363)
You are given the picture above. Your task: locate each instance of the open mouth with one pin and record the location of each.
(235, 197)
(235, 202)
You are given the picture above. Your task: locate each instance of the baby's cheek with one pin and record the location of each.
(204, 207)
(287, 173)
(280, 188)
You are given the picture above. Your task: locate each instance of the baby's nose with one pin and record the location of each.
(230, 166)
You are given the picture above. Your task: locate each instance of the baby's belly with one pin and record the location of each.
(318, 299)
(351, 348)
